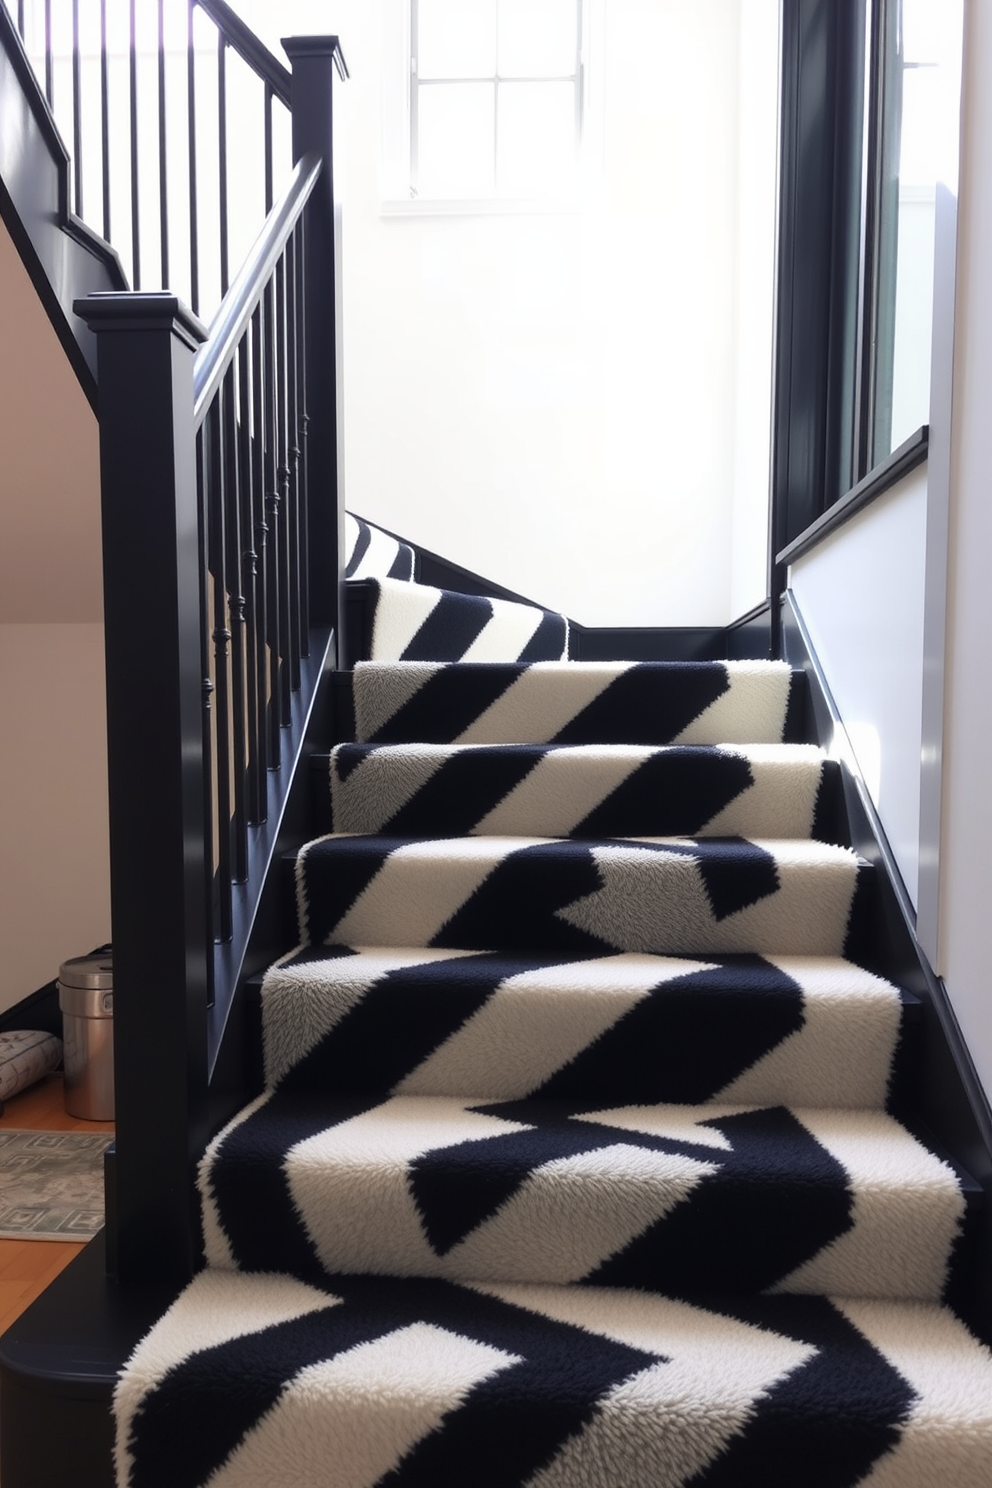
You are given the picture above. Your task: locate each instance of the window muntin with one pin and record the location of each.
(496, 97)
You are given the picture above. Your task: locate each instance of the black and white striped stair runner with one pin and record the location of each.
(572, 1167)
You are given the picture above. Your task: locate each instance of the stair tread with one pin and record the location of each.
(652, 702)
(585, 790)
(629, 1027)
(663, 894)
(495, 1384)
(723, 1196)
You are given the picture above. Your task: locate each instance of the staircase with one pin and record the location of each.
(572, 1163)
(581, 1133)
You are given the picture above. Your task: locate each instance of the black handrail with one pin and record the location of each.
(248, 47)
(231, 321)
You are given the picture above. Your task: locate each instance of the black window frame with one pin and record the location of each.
(835, 289)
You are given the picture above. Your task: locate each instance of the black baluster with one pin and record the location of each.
(269, 99)
(222, 158)
(77, 115)
(221, 639)
(49, 57)
(209, 752)
(285, 621)
(293, 477)
(249, 568)
(274, 540)
(135, 228)
(299, 245)
(105, 120)
(236, 622)
(261, 531)
(163, 188)
(194, 247)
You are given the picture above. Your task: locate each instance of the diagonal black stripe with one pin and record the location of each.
(777, 1198)
(459, 1187)
(450, 699)
(650, 703)
(464, 790)
(516, 906)
(335, 872)
(361, 547)
(736, 873)
(249, 1184)
(450, 628)
(399, 1023)
(505, 1429)
(345, 758)
(673, 793)
(514, 1423)
(829, 1421)
(548, 641)
(686, 1040)
(402, 565)
(193, 1420)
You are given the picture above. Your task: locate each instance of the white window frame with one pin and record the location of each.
(397, 191)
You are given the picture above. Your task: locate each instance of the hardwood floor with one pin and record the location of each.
(27, 1266)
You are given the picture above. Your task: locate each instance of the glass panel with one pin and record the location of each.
(538, 38)
(912, 125)
(537, 137)
(456, 139)
(456, 38)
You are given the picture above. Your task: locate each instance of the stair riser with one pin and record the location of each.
(677, 1199)
(659, 896)
(535, 791)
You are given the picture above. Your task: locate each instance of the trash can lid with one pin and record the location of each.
(95, 973)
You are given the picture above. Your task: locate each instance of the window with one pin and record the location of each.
(496, 98)
(869, 125)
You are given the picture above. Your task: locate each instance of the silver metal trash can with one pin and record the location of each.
(86, 997)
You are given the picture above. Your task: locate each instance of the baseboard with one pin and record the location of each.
(937, 1078)
(38, 1010)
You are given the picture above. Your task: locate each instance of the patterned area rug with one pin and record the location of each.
(51, 1184)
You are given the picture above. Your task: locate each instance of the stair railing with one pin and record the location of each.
(223, 545)
(145, 92)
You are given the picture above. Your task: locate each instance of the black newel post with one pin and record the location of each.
(159, 877)
(315, 61)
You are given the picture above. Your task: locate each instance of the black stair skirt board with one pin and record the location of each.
(936, 1090)
(58, 1365)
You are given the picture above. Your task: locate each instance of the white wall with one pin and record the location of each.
(966, 860)
(557, 400)
(54, 867)
(54, 859)
(861, 594)
(757, 152)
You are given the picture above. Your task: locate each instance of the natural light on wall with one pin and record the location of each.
(558, 277)
(921, 69)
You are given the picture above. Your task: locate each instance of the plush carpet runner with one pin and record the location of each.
(572, 1166)
(415, 622)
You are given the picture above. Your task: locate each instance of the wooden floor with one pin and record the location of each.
(27, 1266)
